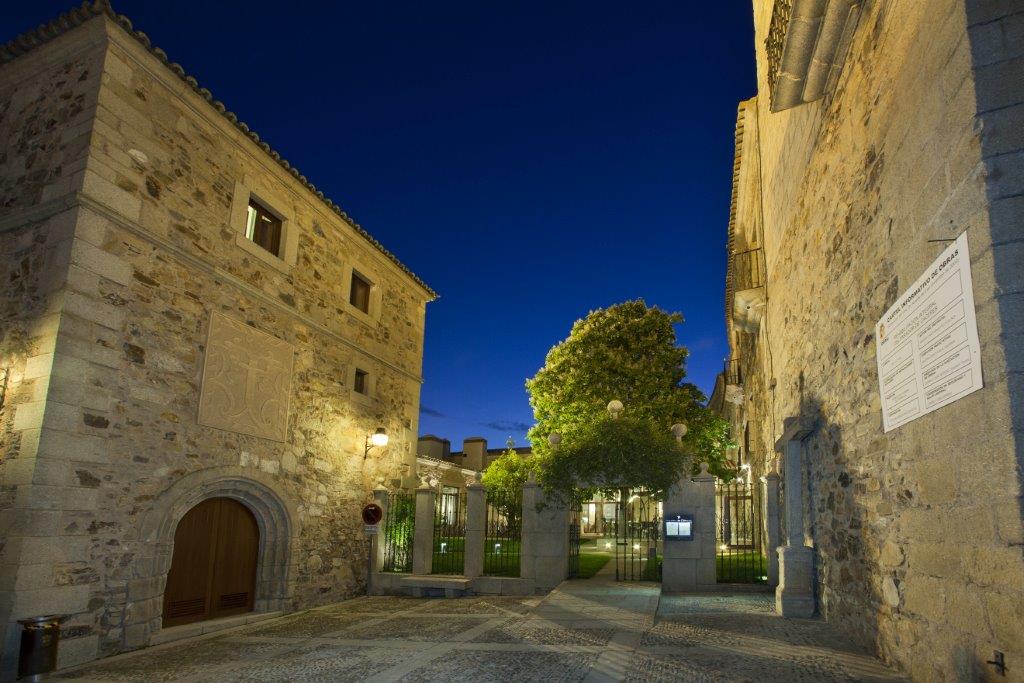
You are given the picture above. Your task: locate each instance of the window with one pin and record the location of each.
(263, 227)
(359, 294)
(362, 382)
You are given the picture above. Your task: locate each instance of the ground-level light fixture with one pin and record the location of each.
(379, 438)
(615, 408)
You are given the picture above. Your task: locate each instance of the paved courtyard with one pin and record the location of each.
(592, 630)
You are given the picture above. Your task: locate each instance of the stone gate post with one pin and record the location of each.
(689, 566)
(380, 497)
(476, 529)
(544, 549)
(423, 537)
(770, 482)
(794, 596)
(528, 527)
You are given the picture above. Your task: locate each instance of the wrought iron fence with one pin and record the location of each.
(574, 543)
(740, 555)
(637, 537)
(449, 532)
(399, 528)
(503, 539)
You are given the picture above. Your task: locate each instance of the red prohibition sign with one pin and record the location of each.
(372, 513)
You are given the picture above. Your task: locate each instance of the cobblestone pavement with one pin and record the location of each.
(584, 631)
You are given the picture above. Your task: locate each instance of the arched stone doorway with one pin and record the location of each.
(277, 522)
(213, 564)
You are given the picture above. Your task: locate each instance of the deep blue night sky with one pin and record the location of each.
(531, 161)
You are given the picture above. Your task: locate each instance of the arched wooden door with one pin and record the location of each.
(213, 568)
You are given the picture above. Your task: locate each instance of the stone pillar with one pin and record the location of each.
(476, 529)
(794, 596)
(423, 537)
(528, 527)
(704, 487)
(544, 549)
(380, 497)
(689, 566)
(771, 520)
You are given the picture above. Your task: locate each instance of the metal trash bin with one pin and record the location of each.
(39, 639)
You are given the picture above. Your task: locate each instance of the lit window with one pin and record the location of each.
(263, 227)
(362, 382)
(359, 295)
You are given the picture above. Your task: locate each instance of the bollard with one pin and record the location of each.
(39, 641)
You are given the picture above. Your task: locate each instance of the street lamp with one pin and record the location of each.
(554, 438)
(615, 408)
(379, 438)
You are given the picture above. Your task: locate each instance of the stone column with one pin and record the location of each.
(794, 596)
(476, 529)
(380, 497)
(423, 537)
(771, 520)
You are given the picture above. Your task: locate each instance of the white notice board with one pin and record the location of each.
(927, 343)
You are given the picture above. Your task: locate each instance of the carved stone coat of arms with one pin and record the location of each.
(247, 376)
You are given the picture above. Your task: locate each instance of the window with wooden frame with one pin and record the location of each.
(263, 227)
(359, 293)
(361, 383)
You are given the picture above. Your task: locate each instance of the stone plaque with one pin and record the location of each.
(247, 377)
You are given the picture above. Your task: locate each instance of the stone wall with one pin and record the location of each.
(917, 532)
(155, 256)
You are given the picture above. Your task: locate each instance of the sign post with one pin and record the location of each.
(372, 515)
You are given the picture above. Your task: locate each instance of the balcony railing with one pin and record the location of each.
(733, 372)
(748, 269)
(776, 40)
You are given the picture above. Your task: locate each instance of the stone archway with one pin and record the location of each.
(278, 533)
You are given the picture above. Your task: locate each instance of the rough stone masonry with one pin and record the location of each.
(153, 356)
(839, 204)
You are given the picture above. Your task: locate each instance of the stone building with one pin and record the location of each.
(190, 331)
(434, 458)
(881, 132)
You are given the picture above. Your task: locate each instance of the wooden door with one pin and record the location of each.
(213, 568)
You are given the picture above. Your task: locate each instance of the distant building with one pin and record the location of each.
(435, 459)
(195, 344)
(881, 133)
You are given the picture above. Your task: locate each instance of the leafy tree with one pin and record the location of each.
(616, 454)
(504, 479)
(627, 352)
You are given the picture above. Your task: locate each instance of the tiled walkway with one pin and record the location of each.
(585, 631)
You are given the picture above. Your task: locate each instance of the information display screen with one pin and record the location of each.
(679, 528)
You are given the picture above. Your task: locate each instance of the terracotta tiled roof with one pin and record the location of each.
(87, 10)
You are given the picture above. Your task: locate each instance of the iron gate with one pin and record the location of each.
(399, 526)
(637, 537)
(740, 554)
(503, 539)
(449, 532)
(574, 542)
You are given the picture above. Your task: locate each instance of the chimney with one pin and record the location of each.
(475, 450)
(433, 447)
